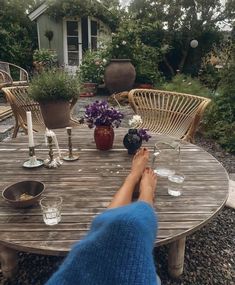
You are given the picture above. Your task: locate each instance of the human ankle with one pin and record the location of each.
(132, 176)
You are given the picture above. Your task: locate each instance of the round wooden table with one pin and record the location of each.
(87, 186)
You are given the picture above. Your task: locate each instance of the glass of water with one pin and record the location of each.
(175, 184)
(166, 158)
(51, 210)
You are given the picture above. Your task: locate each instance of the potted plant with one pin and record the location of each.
(120, 73)
(104, 118)
(91, 72)
(44, 59)
(53, 90)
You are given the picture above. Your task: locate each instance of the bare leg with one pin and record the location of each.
(124, 194)
(147, 186)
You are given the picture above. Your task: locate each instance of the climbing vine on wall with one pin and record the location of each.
(81, 8)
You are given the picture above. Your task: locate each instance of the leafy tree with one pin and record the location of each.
(179, 22)
(111, 4)
(17, 33)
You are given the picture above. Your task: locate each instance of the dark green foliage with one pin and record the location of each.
(210, 77)
(129, 43)
(177, 23)
(186, 84)
(18, 35)
(71, 8)
(220, 118)
(45, 57)
(92, 67)
(54, 85)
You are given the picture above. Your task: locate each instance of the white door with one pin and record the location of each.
(72, 44)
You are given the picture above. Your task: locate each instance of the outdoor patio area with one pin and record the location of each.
(117, 142)
(209, 257)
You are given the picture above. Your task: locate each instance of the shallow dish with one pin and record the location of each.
(17, 193)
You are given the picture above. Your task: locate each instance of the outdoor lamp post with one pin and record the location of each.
(194, 43)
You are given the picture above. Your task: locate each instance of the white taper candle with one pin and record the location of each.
(30, 128)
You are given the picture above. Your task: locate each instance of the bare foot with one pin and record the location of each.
(148, 184)
(139, 163)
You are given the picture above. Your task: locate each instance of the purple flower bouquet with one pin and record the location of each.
(100, 113)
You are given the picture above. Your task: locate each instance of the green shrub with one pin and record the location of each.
(220, 118)
(146, 60)
(92, 67)
(47, 58)
(185, 84)
(53, 85)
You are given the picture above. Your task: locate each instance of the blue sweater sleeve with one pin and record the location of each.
(117, 250)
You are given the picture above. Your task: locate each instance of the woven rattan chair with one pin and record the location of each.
(5, 79)
(17, 74)
(20, 103)
(170, 113)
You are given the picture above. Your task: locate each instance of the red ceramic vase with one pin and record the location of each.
(104, 136)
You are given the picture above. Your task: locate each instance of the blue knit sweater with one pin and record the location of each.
(116, 251)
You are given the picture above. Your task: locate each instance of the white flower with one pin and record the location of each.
(135, 121)
(104, 61)
(124, 43)
(117, 46)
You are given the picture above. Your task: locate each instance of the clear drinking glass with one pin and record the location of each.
(175, 184)
(51, 210)
(166, 158)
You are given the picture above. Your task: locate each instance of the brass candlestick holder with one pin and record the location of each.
(52, 162)
(70, 156)
(33, 161)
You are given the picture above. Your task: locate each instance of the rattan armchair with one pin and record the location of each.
(170, 113)
(5, 79)
(18, 75)
(20, 103)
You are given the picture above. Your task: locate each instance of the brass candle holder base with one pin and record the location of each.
(32, 162)
(52, 162)
(71, 158)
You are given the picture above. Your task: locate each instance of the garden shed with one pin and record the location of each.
(71, 31)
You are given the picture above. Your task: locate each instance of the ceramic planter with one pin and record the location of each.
(55, 114)
(104, 136)
(119, 75)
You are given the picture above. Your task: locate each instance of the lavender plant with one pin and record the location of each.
(100, 113)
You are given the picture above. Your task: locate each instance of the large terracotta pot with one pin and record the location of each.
(119, 75)
(55, 114)
(104, 136)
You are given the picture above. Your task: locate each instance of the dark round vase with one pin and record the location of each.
(104, 136)
(132, 141)
(119, 75)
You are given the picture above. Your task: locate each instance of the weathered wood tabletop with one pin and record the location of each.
(87, 186)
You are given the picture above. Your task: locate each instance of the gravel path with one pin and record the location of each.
(209, 255)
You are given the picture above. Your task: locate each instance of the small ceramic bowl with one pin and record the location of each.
(23, 194)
